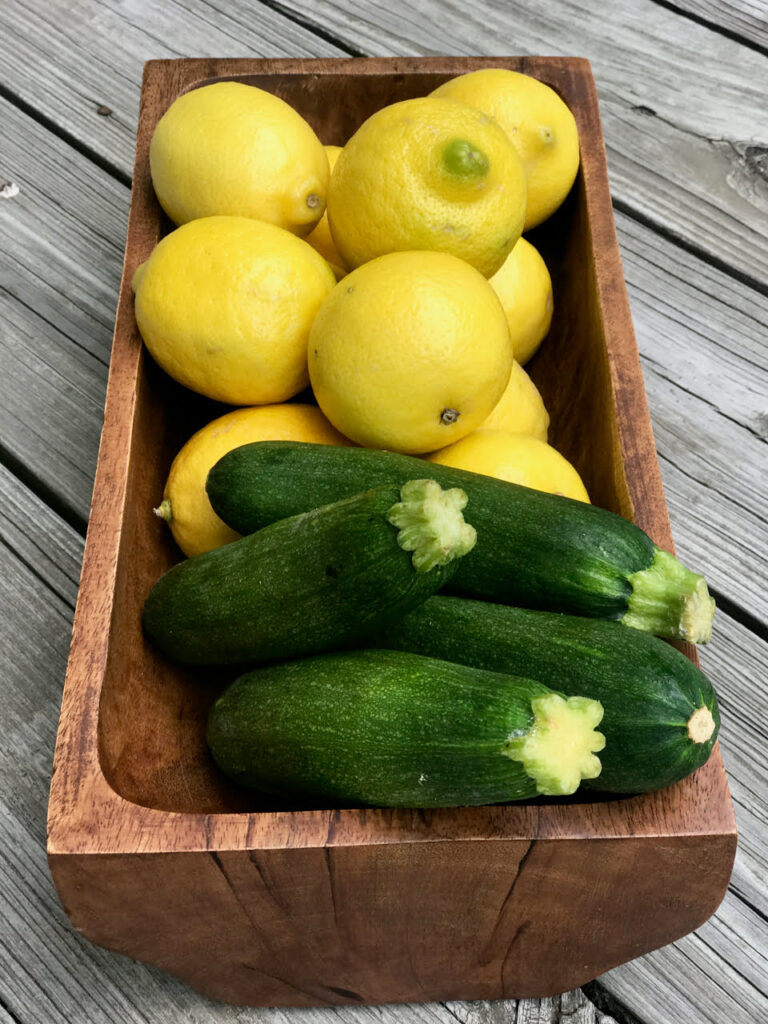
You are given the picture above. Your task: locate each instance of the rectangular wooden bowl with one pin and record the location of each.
(155, 855)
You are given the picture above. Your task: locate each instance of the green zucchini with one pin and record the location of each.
(397, 730)
(661, 715)
(534, 549)
(316, 581)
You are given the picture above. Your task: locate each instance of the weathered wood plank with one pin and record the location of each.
(573, 1007)
(61, 241)
(747, 19)
(701, 328)
(5, 1017)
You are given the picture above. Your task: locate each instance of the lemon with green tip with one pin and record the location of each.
(525, 288)
(410, 352)
(225, 304)
(428, 174)
(520, 410)
(538, 123)
(185, 506)
(517, 458)
(321, 238)
(231, 148)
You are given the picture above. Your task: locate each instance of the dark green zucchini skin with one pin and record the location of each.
(648, 689)
(381, 728)
(533, 549)
(317, 581)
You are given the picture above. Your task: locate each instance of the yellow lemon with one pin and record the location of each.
(428, 174)
(321, 238)
(230, 148)
(525, 288)
(410, 352)
(224, 304)
(539, 124)
(518, 458)
(185, 507)
(520, 409)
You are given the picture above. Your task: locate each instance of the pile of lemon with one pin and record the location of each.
(391, 275)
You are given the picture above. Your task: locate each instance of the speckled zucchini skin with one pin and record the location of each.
(383, 728)
(320, 580)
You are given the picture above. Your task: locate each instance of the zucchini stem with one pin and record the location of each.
(430, 523)
(701, 725)
(669, 600)
(560, 749)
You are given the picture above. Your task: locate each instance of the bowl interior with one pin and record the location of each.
(152, 714)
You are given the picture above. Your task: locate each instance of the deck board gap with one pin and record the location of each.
(690, 247)
(54, 325)
(741, 615)
(43, 491)
(66, 136)
(674, 380)
(609, 1004)
(311, 26)
(747, 903)
(37, 574)
(731, 966)
(713, 26)
(6, 1008)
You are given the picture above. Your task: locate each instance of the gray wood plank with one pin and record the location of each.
(747, 19)
(61, 251)
(701, 328)
(571, 1007)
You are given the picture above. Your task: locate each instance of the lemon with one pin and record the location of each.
(230, 148)
(321, 238)
(539, 124)
(525, 288)
(428, 174)
(517, 458)
(410, 352)
(185, 507)
(224, 304)
(520, 409)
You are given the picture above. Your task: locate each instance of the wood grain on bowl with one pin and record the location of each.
(155, 855)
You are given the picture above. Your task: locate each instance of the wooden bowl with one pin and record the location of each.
(156, 856)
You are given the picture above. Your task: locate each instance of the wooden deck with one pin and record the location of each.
(682, 86)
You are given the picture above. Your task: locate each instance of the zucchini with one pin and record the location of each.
(661, 716)
(316, 581)
(535, 549)
(393, 729)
